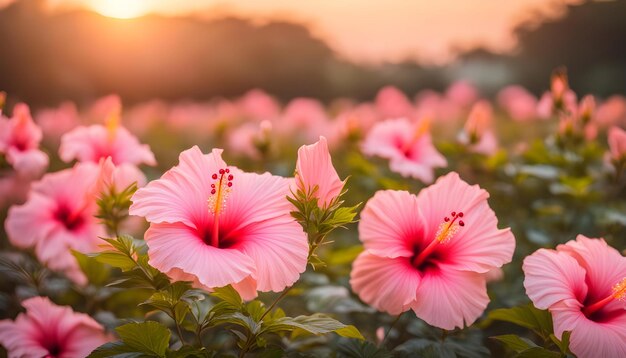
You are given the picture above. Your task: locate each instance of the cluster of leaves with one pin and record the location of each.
(113, 207)
(194, 312)
(318, 221)
(537, 321)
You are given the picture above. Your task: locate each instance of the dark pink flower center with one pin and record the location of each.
(428, 257)
(72, 220)
(595, 309)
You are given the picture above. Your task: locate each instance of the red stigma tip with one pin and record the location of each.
(212, 185)
(461, 214)
(446, 219)
(461, 223)
(453, 213)
(221, 171)
(227, 170)
(214, 176)
(230, 184)
(230, 177)
(213, 191)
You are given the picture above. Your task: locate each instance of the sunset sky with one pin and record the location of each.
(371, 31)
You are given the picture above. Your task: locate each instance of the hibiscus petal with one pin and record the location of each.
(19, 223)
(390, 224)
(591, 339)
(178, 246)
(257, 212)
(315, 167)
(279, 249)
(553, 277)
(604, 265)
(477, 246)
(129, 150)
(388, 284)
(449, 298)
(181, 194)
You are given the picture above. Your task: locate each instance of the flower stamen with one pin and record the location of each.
(220, 190)
(618, 293)
(446, 231)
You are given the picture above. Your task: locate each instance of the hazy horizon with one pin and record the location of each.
(367, 33)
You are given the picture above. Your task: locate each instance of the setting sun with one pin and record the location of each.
(121, 9)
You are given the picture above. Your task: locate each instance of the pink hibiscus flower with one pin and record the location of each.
(617, 144)
(315, 168)
(583, 284)
(59, 216)
(477, 133)
(55, 122)
(430, 253)
(520, 104)
(19, 142)
(90, 144)
(215, 225)
(407, 145)
(48, 330)
(393, 103)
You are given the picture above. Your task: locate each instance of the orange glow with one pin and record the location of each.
(372, 31)
(121, 9)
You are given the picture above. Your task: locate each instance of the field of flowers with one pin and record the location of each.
(448, 225)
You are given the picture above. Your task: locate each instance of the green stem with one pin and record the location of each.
(282, 295)
(384, 341)
(178, 329)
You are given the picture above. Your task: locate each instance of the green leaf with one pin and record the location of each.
(540, 321)
(354, 348)
(350, 331)
(116, 350)
(563, 343)
(228, 294)
(190, 352)
(516, 343)
(255, 309)
(316, 324)
(97, 274)
(147, 337)
(115, 259)
(538, 352)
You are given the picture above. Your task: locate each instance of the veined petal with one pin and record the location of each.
(176, 245)
(279, 250)
(604, 266)
(315, 168)
(591, 339)
(553, 277)
(449, 298)
(390, 224)
(181, 194)
(388, 284)
(477, 246)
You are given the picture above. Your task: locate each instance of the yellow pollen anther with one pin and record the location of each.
(446, 231)
(449, 227)
(220, 190)
(112, 123)
(619, 290)
(422, 128)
